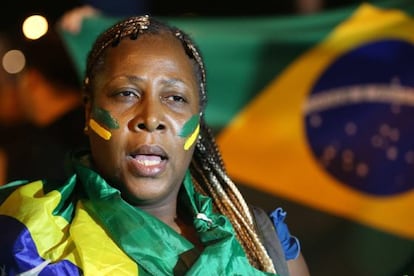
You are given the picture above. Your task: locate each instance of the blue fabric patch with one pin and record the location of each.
(18, 252)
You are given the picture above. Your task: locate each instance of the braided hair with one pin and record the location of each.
(207, 168)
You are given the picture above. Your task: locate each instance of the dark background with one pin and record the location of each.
(13, 12)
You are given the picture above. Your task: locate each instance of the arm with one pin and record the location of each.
(71, 20)
(298, 266)
(295, 261)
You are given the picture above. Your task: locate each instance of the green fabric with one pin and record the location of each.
(66, 206)
(154, 245)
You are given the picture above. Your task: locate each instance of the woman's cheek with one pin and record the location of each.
(102, 122)
(190, 131)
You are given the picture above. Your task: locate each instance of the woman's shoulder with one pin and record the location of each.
(20, 197)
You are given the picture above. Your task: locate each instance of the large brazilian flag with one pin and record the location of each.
(316, 114)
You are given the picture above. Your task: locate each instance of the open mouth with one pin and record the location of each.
(149, 155)
(148, 160)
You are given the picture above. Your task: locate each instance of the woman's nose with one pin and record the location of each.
(150, 125)
(149, 117)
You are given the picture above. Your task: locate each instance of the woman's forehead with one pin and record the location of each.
(149, 48)
(149, 57)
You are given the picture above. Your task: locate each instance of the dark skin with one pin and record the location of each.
(149, 88)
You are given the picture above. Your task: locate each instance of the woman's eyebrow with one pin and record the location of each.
(132, 78)
(173, 81)
(167, 81)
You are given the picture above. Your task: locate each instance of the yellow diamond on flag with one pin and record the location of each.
(266, 145)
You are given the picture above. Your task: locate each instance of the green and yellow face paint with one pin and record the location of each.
(101, 120)
(190, 131)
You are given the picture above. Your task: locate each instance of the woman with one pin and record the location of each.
(151, 196)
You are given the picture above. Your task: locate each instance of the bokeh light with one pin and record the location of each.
(13, 61)
(35, 26)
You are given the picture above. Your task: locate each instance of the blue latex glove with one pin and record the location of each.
(290, 244)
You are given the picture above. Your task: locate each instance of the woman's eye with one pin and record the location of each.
(176, 98)
(128, 93)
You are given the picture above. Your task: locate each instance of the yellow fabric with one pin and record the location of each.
(31, 207)
(97, 250)
(83, 242)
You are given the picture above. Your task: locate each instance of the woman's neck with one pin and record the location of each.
(181, 222)
(166, 213)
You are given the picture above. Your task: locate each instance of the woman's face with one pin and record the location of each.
(145, 107)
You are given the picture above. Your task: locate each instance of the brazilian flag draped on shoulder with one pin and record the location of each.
(84, 227)
(318, 111)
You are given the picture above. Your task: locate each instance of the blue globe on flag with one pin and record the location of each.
(360, 118)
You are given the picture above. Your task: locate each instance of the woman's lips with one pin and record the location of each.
(147, 161)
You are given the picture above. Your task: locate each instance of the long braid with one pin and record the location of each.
(208, 164)
(207, 167)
